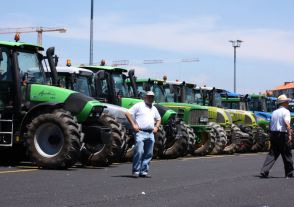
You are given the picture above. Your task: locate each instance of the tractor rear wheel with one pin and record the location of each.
(221, 139)
(208, 139)
(54, 140)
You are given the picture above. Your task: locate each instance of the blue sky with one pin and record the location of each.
(171, 30)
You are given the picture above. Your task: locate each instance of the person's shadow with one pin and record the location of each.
(123, 176)
(269, 177)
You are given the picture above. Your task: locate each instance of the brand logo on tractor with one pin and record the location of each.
(47, 93)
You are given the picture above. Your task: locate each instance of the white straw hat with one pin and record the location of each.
(282, 99)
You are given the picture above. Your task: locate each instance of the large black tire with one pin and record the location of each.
(221, 139)
(94, 151)
(159, 139)
(118, 137)
(260, 140)
(176, 144)
(234, 140)
(54, 140)
(208, 139)
(129, 149)
(247, 140)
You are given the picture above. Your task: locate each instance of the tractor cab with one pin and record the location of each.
(157, 86)
(234, 101)
(111, 83)
(76, 79)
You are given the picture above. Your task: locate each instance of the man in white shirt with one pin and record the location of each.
(145, 120)
(280, 135)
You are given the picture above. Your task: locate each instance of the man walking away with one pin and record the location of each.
(280, 135)
(145, 120)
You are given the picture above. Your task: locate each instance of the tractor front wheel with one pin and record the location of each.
(54, 140)
(208, 139)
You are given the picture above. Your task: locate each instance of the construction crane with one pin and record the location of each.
(39, 30)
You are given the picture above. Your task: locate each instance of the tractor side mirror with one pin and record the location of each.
(56, 60)
(124, 77)
(1, 55)
(101, 75)
(131, 73)
(171, 89)
(50, 51)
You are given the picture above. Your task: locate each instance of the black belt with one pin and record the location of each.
(146, 130)
(278, 132)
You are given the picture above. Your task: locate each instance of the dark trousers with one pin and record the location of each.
(279, 146)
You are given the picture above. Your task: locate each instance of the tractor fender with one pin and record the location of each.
(119, 113)
(35, 110)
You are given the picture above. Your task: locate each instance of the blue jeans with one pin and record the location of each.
(143, 152)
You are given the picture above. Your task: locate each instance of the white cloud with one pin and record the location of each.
(189, 35)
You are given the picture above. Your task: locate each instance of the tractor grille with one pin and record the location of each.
(229, 116)
(195, 115)
(220, 118)
(248, 120)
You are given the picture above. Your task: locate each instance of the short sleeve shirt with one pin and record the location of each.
(144, 116)
(279, 118)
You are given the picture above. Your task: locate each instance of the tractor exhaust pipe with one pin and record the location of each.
(52, 65)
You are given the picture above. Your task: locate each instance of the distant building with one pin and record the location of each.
(287, 88)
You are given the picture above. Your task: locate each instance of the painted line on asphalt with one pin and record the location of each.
(17, 171)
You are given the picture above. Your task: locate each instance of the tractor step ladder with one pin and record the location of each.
(6, 137)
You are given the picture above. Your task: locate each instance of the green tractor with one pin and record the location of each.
(202, 138)
(210, 96)
(237, 106)
(115, 87)
(82, 81)
(54, 127)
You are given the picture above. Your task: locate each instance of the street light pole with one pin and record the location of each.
(235, 44)
(91, 33)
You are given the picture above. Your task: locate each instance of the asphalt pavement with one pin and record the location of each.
(229, 180)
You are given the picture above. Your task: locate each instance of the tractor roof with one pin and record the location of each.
(192, 85)
(75, 70)
(21, 45)
(204, 88)
(98, 67)
(257, 96)
(145, 80)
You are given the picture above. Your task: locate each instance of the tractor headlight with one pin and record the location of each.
(203, 119)
(97, 110)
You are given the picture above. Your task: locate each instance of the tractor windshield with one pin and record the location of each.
(217, 99)
(271, 105)
(198, 97)
(82, 85)
(75, 82)
(189, 95)
(231, 105)
(257, 104)
(158, 93)
(30, 67)
(120, 85)
(169, 94)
